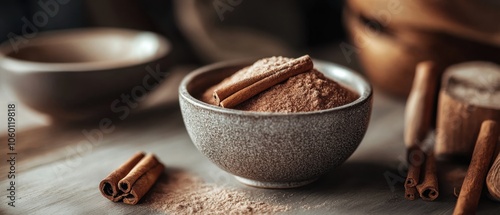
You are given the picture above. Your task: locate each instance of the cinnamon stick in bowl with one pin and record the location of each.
(240, 91)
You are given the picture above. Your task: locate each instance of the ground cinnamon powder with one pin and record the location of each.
(179, 192)
(309, 91)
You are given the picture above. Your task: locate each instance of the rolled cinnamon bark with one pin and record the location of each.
(411, 193)
(145, 165)
(429, 189)
(236, 93)
(416, 158)
(418, 119)
(109, 185)
(470, 192)
(132, 180)
(143, 184)
(226, 91)
(420, 104)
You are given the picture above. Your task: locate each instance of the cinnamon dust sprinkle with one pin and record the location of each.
(179, 192)
(309, 91)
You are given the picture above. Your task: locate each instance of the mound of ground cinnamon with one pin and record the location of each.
(308, 91)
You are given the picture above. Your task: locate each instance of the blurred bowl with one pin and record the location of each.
(77, 74)
(274, 150)
(389, 52)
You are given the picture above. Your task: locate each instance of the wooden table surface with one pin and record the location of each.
(58, 171)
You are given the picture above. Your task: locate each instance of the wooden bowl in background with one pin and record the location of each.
(390, 50)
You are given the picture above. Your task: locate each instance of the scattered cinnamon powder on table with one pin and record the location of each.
(180, 192)
(309, 91)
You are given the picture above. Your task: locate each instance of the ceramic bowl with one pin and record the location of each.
(79, 74)
(274, 150)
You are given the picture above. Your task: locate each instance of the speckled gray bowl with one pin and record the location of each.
(275, 150)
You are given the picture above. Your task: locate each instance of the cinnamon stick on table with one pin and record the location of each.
(109, 185)
(132, 180)
(236, 93)
(429, 189)
(411, 193)
(470, 192)
(415, 158)
(140, 179)
(418, 118)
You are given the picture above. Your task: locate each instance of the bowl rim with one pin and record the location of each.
(364, 96)
(26, 66)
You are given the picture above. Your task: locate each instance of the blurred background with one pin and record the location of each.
(384, 39)
(66, 76)
(199, 35)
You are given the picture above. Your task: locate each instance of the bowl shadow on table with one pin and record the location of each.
(359, 176)
(353, 176)
(365, 178)
(451, 174)
(357, 186)
(349, 181)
